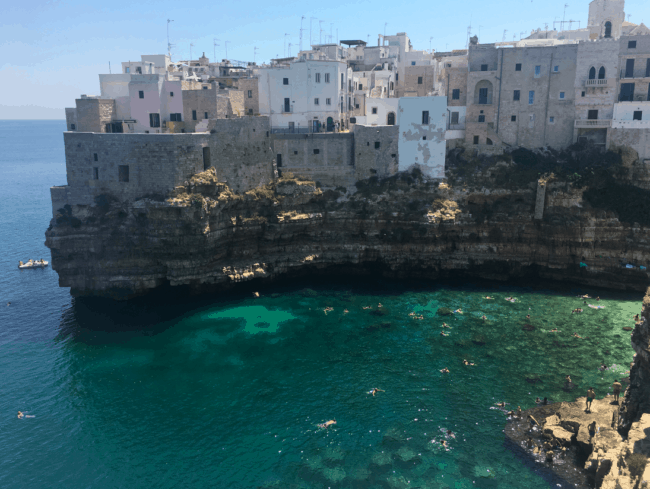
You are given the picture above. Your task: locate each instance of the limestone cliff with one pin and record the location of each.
(403, 226)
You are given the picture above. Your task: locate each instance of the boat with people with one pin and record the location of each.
(33, 264)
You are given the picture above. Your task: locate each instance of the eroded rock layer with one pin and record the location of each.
(203, 234)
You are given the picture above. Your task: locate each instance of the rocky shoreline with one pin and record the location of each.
(557, 438)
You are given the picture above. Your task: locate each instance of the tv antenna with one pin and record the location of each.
(191, 46)
(254, 53)
(214, 42)
(320, 33)
(564, 14)
(226, 44)
(311, 37)
(385, 24)
(504, 35)
(301, 19)
(430, 39)
(290, 49)
(169, 45)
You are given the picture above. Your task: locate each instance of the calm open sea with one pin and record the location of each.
(228, 391)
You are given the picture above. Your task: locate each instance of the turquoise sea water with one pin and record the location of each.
(227, 391)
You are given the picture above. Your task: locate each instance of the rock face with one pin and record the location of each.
(205, 235)
(606, 458)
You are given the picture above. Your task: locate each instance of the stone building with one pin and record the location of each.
(250, 89)
(210, 103)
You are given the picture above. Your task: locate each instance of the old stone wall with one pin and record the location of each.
(241, 151)
(418, 81)
(71, 118)
(156, 164)
(325, 158)
(237, 102)
(250, 89)
(94, 113)
(202, 102)
(372, 161)
(638, 139)
(597, 94)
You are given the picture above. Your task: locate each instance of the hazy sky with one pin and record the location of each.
(51, 52)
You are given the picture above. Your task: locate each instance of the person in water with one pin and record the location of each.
(484, 317)
(590, 397)
(442, 333)
(545, 401)
(617, 389)
(445, 370)
(20, 414)
(489, 298)
(327, 424)
(459, 310)
(374, 391)
(527, 316)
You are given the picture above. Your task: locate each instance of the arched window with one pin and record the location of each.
(592, 73)
(608, 29)
(601, 73)
(488, 141)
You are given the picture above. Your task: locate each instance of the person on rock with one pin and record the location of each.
(617, 390)
(591, 394)
(519, 411)
(592, 429)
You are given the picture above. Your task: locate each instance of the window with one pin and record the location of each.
(171, 94)
(316, 151)
(583, 94)
(175, 117)
(454, 117)
(455, 94)
(205, 87)
(95, 173)
(73, 127)
(518, 67)
(287, 105)
(250, 94)
(328, 101)
(250, 111)
(592, 115)
(592, 73)
(637, 116)
(561, 95)
(627, 92)
(481, 118)
(424, 138)
(629, 68)
(531, 97)
(412, 63)
(141, 94)
(316, 101)
(353, 120)
(317, 77)
(475, 139)
(138, 70)
(327, 77)
(356, 106)
(377, 144)
(194, 115)
(516, 95)
(419, 80)
(482, 96)
(538, 71)
(374, 110)
(206, 115)
(285, 81)
(360, 86)
(128, 70)
(95, 156)
(342, 83)
(601, 73)
(551, 120)
(513, 118)
(154, 120)
(608, 29)
(425, 117)
(123, 173)
(631, 44)
(295, 152)
(556, 68)
(647, 67)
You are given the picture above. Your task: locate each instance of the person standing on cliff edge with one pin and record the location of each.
(590, 397)
(617, 390)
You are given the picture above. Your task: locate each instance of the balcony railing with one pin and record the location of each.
(285, 111)
(456, 127)
(637, 73)
(597, 82)
(593, 123)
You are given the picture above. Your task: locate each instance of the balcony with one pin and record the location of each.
(287, 109)
(593, 123)
(637, 73)
(598, 83)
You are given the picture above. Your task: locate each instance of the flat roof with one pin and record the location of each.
(354, 42)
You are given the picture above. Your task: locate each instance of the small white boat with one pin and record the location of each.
(33, 264)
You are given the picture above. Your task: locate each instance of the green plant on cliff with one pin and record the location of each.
(636, 463)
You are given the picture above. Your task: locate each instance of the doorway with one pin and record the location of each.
(206, 158)
(330, 124)
(391, 119)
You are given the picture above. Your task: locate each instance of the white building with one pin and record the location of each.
(422, 125)
(381, 111)
(153, 100)
(304, 96)
(631, 115)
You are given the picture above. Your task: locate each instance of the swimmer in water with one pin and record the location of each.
(527, 316)
(445, 325)
(445, 370)
(465, 362)
(20, 414)
(327, 424)
(489, 298)
(442, 333)
(374, 390)
(483, 317)
(450, 434)
(501, 404)
(459, 311)
(444, 443)
(538, 400)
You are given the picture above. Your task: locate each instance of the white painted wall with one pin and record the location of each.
(117, 87)
(384, 106)
(302, 91)
(157, 99)
(624, 111)
(427, 154)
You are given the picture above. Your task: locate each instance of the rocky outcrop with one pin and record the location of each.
(205, 235)
(563, 441)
